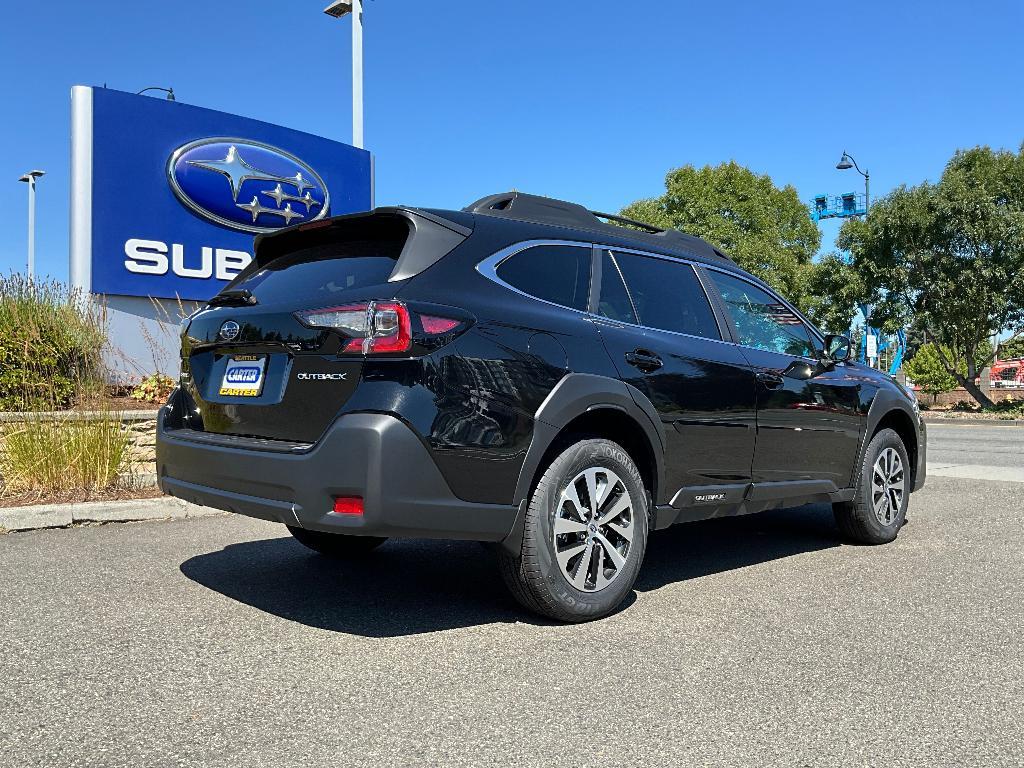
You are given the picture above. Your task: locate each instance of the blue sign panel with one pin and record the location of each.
(179, 192)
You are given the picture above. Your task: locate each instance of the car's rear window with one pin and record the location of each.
(322, 272)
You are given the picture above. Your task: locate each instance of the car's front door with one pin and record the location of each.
(663, 336)
(809, 420)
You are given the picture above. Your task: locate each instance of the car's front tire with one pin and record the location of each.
(585, 534)
(337, 545)
(879, 509)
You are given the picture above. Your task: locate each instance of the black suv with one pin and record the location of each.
(523, 372)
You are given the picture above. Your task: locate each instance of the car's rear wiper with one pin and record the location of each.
(236, 297)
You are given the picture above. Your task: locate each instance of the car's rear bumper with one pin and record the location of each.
(373, 456)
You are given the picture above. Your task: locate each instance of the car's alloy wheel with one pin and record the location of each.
(593, 529)
(878, 508)
(888, 484)
(584, 534)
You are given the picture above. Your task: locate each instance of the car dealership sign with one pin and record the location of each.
(167, 197)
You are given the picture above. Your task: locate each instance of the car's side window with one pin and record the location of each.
(556, 273)
(761, 320)
(614, 302)
(663, 294)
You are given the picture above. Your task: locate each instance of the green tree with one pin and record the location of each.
(767, 230)
(833, 290)
(928, 372)
(1012, 348)
(949, 258)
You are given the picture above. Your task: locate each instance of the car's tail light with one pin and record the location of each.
(378, 327)
(436, 326)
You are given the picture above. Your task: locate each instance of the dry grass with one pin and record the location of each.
(52, 344)
(52, 341)
(45, 456)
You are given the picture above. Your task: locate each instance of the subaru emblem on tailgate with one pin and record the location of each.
(229, 330)
(246, 185)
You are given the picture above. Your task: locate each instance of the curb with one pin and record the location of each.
(969, 422)
(131, 510)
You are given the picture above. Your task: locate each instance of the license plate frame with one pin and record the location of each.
(244, 376)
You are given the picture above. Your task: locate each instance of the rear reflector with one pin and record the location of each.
(348, 505)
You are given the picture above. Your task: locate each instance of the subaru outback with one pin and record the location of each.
(525, 372)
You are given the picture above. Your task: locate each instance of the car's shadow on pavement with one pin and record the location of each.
(411, 587)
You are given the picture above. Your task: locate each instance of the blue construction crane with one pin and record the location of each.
(839, 206)
(898, 342)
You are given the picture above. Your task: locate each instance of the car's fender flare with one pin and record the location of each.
(574, 395)
(883, 403)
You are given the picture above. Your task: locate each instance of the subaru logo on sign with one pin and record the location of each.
(229, 330)
(246, 185)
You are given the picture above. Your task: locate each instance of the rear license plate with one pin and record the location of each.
(244, 375)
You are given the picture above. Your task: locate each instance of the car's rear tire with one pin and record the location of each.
(879, 509)
(337, 545)
(589, 510)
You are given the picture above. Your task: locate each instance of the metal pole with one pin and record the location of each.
(31, 226)
(867, 194)
(357, 73)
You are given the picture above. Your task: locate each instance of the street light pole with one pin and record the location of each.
(338, 9)
(30, 178)
(846, 162)
(357, 73)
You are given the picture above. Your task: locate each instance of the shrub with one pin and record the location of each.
(967, 406)
(154, 388)
(926, 370)
(51, 345)
(48, 455)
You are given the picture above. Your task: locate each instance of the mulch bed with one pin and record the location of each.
(984, 415)
(118, 403)
(78, 495)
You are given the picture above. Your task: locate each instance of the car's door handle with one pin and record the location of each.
(769, 380)
(644, 359)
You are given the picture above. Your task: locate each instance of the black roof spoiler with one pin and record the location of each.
(547, 210)
(430, 238)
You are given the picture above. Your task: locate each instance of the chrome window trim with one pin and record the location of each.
(488, 266)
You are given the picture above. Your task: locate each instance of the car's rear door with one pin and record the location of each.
(663, 337)
(808, 429)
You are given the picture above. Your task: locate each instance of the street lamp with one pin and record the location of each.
(168, 91)
(845, 163)
(30, 179)
(338, 9)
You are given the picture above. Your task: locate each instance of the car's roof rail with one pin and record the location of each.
(630, 222)
(548, 210)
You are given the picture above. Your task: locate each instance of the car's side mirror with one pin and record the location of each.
(837, 348)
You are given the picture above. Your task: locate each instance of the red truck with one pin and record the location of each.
(1008, 374)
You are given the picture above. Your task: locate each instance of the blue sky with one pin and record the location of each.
(575, 100)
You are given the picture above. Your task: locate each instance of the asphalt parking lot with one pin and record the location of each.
(752, 641)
